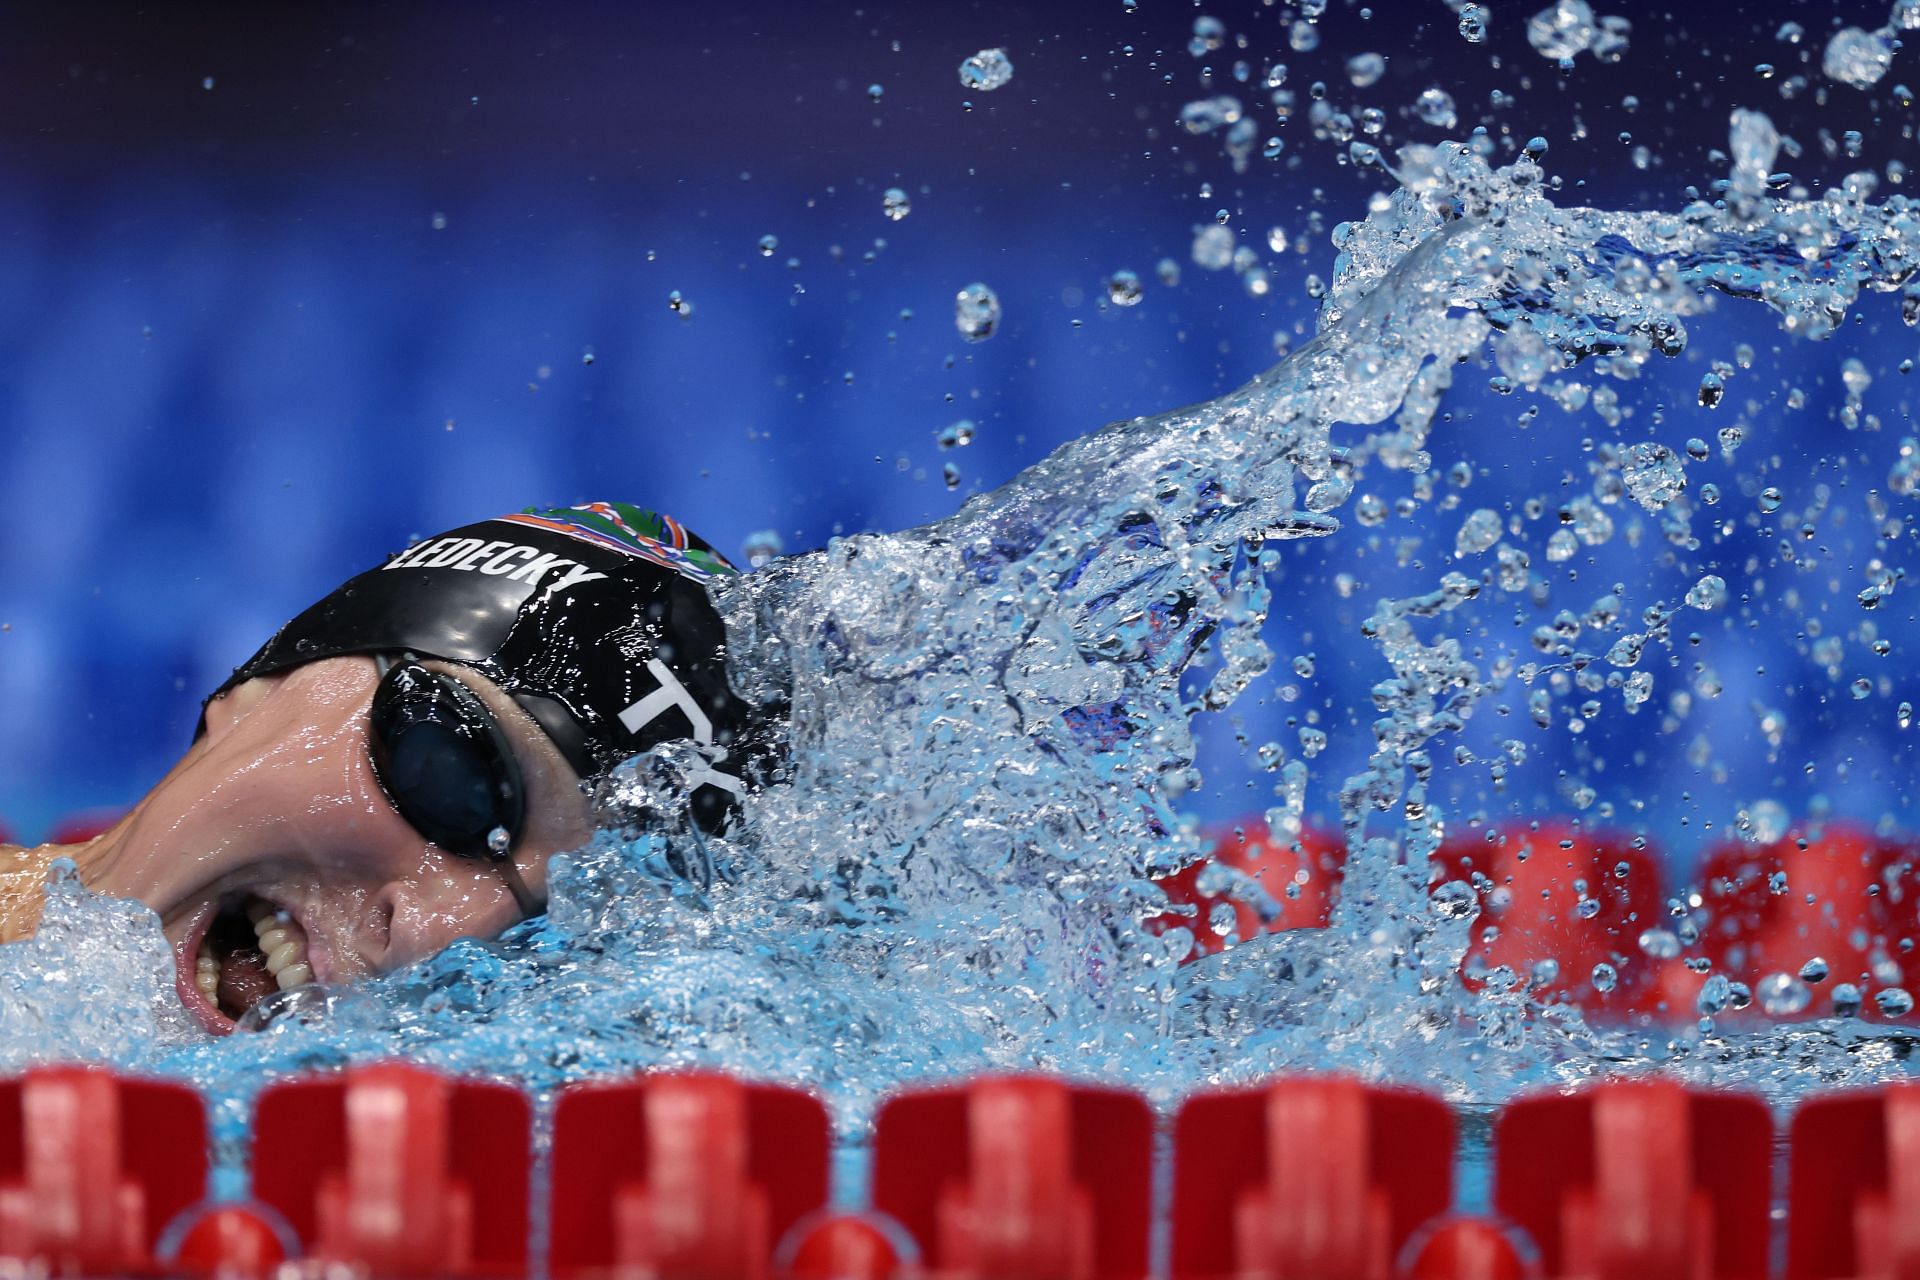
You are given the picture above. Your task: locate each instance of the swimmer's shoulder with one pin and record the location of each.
(23, 878)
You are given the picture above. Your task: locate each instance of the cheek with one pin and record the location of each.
(430, 911)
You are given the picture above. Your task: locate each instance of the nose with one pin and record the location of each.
(446, 901)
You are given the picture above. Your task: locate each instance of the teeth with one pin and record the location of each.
(206, 976)
(285, 954)
(285, 944)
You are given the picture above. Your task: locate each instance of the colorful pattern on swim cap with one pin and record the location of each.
(634, 530)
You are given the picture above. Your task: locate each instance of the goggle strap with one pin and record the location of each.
(530, 906)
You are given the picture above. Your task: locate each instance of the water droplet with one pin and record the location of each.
(1455, 900)
(1208, 35)
(1856, 57)
(1365, 69)
(1715, 994)
(1562, 29)
(1661, 944)
(1213, 248)
(976, 312)
(680, 305)
(1522, 356)
(1479, 532)
(1654, 474)
(1768, 819)
(1814, 970)
(1605, 976)
(986, 70)
(957, 435)
(767, 245)
(499, 840)
(1894, 1002)
(895, 204)
(1123, 289)
(1435, 107)
(875, 93)
(1770, 499)
(1473, 22)
(1709, 593)
(1784, 995)
(761, 547)
(1846, 1000)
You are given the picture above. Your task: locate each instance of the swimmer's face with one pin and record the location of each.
(276, 815)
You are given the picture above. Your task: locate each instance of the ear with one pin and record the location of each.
(233, 706)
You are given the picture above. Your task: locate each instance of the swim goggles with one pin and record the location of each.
(448, 767)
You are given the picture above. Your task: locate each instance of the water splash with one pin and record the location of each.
(991, 733)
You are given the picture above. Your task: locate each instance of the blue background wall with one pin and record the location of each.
(280, 291)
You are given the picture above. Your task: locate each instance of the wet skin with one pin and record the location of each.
(278, 800)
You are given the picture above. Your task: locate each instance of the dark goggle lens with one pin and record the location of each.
(445, 763)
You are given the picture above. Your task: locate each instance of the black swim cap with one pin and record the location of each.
(594, 618)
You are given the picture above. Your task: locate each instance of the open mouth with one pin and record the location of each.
(248, 949)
